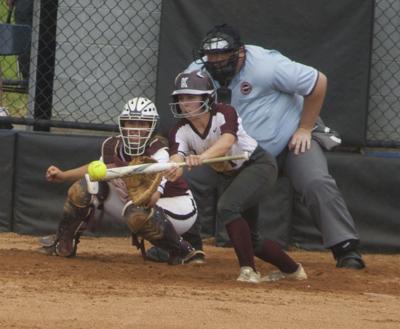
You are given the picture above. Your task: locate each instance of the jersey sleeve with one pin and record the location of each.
(231, 120)
(155, 144)
(292, 77)
(177, 142)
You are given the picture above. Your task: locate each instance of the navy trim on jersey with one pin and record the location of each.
(315, 84)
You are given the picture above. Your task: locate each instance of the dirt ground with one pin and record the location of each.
(109, 286)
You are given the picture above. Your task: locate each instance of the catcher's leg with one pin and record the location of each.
(77, 210)
(181, 211)
(152, 225)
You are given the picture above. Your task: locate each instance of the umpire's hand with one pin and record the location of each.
(301, 141)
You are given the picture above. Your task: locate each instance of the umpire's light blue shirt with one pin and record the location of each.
(268, 95)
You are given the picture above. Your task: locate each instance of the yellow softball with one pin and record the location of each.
(97, 170)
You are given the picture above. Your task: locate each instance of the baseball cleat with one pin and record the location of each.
(50, 251)
(48, 241)
(247, 274)
(156, 254)
(195, 257)
(299, 274)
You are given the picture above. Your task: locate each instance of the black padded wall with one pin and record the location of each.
(332, 36)
(371, 189)
(370, 186)
(7, 141)
(38, 203)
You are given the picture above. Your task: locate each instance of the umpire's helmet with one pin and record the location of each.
(222, 39)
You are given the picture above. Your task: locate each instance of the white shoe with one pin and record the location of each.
(247, 274)
(300, 274)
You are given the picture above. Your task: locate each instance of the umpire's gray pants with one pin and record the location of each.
(308, 173)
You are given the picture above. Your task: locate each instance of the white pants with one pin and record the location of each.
(181, 210)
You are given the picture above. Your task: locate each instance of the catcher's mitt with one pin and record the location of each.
(141, 187)
(221, 166)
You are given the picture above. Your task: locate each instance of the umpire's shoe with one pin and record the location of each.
(347, 256)
(350, 260)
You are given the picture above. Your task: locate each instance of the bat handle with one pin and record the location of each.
(243, 156)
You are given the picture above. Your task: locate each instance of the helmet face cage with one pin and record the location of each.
(193, 83)
(204, 106)
(138, 110)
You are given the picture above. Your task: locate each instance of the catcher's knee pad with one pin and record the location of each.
(79, 195)
(152, 225)
(137, 217)
(81, 192)
(77, 207)
(145, 222)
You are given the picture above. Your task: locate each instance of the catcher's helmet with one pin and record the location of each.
(193, 83)
(222, 39)
(137, 122)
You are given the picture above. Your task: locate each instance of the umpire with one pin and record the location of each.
(279, 102)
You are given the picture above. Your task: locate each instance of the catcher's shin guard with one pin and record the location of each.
(152, 225)
(77, 210)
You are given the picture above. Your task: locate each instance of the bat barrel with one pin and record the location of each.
(146, 168)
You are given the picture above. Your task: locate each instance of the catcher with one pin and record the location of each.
(153, 209)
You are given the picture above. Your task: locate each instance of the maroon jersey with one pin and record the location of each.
(112, 153)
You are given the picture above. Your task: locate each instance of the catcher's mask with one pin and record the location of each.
(137, 123)
(219, 52)
(195, 83)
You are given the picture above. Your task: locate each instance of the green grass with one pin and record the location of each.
(16, 103)
(8, 64)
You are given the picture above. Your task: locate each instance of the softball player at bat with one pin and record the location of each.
(169, 212)
(208, 130)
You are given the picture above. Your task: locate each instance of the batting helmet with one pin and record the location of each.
(192, 83)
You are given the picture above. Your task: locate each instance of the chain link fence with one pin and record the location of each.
(88, 57)
(384, 101)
